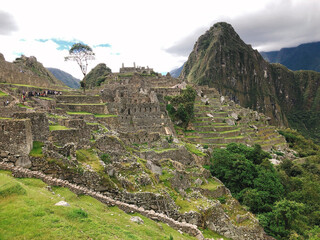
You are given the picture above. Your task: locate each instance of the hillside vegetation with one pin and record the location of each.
(286, 198)
(66, 78)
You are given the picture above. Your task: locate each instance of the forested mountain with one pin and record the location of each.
(222, 60)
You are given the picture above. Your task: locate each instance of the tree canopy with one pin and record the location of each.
(81, 53)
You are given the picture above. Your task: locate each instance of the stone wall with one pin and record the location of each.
(167, 91)
(80, 137)
(139, 137)
(16, 136)
(78, 99)
(39, 124)
(180, 154)
(91, 108)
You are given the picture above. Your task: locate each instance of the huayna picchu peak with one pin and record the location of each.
(222, 60)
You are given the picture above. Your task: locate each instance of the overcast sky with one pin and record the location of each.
(158, 34)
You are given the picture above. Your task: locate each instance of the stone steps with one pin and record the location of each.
(216, 140)
(232, 133)
(214, 128)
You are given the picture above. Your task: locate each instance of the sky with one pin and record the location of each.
(155, 33)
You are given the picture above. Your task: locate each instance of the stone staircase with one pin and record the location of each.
(219, 121)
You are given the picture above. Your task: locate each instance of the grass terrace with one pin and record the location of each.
(37, 149)
(104, 115)
(56, 127)
(46, 98)
(3, 94)
(23, 106)
(79, 113)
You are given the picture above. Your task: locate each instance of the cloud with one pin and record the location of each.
(107, 45)
(279, 24)
(7, 23)
(184, 46)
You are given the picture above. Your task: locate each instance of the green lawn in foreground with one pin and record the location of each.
(27, 211)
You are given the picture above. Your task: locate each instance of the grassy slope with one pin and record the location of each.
(28, 212)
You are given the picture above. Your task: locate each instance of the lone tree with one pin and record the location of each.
(81, 53)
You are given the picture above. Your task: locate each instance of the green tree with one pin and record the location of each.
(181, 107)
(285, 218)
(81, 53)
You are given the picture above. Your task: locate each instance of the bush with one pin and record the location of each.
(181, 108)
(77, 213)
(105, 157)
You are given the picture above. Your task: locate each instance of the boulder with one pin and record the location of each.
(63, 204)
(137, 219)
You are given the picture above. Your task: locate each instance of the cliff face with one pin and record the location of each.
(222, 60)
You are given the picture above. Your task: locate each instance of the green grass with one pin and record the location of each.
(46, 98)
(37, 149)
(237, 137)
(89, 157)
(192, 148)
(32, 86)
(56, 116)
(207, 233)
(83, 104)
(24, 106)
(28, 212)
(3, 118)
(211, 185)
(105, 115)
(3, 94)
(57, 127)
(79, 113)
(90, 123)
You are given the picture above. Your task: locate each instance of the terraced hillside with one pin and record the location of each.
(219, 121)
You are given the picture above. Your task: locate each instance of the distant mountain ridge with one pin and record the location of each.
(303, 57)
(176, 72)
(65, 77)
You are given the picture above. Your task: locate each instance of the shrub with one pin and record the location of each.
(105, 157)
(77, 213)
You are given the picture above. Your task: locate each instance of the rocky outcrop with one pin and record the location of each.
(27, 70)
(97, 75)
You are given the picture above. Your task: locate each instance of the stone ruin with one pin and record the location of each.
(134, 69)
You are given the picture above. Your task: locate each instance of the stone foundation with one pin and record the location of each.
(16, 136)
